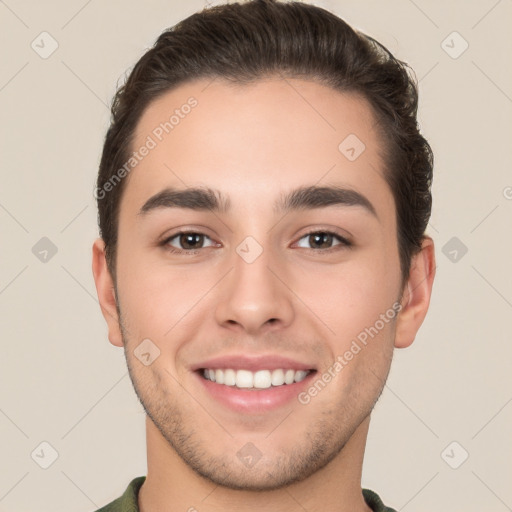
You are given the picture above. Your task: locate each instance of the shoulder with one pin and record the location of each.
(128, 501)
(374, 502)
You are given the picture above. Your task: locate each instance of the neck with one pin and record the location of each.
(171, 485)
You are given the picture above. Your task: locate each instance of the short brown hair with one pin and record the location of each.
(246, 42)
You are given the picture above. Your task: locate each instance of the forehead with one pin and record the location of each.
(260, 139)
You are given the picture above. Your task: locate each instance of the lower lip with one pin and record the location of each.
(254, 401)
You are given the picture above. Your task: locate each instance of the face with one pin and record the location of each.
(271, 321)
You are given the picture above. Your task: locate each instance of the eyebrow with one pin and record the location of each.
(303, 198)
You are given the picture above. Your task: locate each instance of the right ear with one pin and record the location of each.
(106, 292)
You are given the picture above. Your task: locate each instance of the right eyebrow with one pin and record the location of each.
(191, 198)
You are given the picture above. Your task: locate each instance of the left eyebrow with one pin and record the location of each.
(303, 198)
(319, 197)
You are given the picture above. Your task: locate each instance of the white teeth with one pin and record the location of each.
(244, 379)
(261, 379)
(277, 378)
(229, 377)
(219, 376)
(300, 375)
(289, 377)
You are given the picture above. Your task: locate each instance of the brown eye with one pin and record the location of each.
(191, 240)
(322, 240)
(187, 241)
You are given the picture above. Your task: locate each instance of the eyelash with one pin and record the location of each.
(344, 243)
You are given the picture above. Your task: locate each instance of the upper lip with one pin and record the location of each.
(252, 363)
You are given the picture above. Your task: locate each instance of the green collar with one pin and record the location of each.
(128, 501)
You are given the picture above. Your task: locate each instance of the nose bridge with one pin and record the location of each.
(252, 296)
(251, 267)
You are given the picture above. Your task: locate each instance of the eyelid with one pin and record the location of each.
(167, 239)
(344, 241)
(184, 230)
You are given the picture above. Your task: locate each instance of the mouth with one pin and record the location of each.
(249, 380)
(253, 385)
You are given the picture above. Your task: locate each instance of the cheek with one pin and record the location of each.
(350, 297)
(158, 300)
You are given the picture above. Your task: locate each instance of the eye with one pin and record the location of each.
(187, 241)
(323, 240)
(190, 241)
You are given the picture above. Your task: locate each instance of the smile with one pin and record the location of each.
(261, 379)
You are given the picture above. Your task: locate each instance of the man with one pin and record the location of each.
(263, 196)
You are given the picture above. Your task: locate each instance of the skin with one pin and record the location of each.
(254, 143)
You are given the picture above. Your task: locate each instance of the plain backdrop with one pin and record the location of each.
(66, 400)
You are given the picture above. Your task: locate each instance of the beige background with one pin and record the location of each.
(64, 384)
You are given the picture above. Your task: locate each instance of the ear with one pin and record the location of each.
(106, 292)
(416, 295)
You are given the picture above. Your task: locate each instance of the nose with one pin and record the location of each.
(253, 299)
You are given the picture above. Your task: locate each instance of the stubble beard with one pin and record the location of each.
(321, 443)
